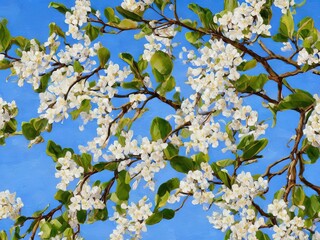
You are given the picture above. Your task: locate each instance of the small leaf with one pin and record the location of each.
(29, 131)
(230, 5)
(244, 66)
(299, 99)
(103, 55)
(254, 148)
(160, 128)
(128, 14)
(60, 7)
(154, 218)
(162, 62)
(92, 31)
(182, 164)
(287, 25)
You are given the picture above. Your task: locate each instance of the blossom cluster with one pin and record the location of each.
(304, 57)
(7, 112)
(160, 39)
(212, 77)
(289, 228)
(133, 5)
(77, 18)
(67, 170)
(239, 198)
(284, 5)
(33, 64)
(244, 21)
(196, 183)
(150, 156)
(132, 219)
(9, 205)
(86, 198)
(312, 127)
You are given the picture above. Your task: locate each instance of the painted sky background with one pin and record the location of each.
(30, 172)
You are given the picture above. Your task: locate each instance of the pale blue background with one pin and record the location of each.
(30, 172)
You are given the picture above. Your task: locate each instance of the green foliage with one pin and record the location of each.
(299, 99)
(103, 55)
(160, 128)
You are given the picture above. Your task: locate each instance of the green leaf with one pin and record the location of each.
(222, 175)
(279, 38)
(5, 64)
(249, 84)
(160, 128)
(313, 153)
(45, 228)
(5, 36)
(287, 25)
(154, 218)
(262, 236)
(53, 150)
(168, 213)
(127, 24)
(298, 195)
(60, 7)
(84, 161)
(63, 196)
(110, 15)
(77, 67)
(3, 235)
(230, 5)
(128, 14)
(54, 28)
(166, 86)
(244, 66)
(161, 63)
(97, 215)
(299, 99)
(82, 216)
(245, 141)
(225, 162)
(171, 151)
(182, 164)
(193, 37)
(305, 27)
(44, 80)
(122, 191)
(92, 31)
(164, 191)
(254, 148)
(127, 57)
(11, 126)
(29, 131)
(103, 55)
(204, 14)
(84, 107)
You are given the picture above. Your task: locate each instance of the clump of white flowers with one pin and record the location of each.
(244, 21)
(150, 155)
(9, 205)
(133, 5)
(284, 5)
(304, 57)
(8, 110)
(32, 65)
(211, 77)
(312, 128)
(289, 228)
(77, 18)
(67, 170)
(160, 39)
(239, 199)
(132, 219)
(196, 183)
(86, 198)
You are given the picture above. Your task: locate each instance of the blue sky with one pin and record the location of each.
(30, 172)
